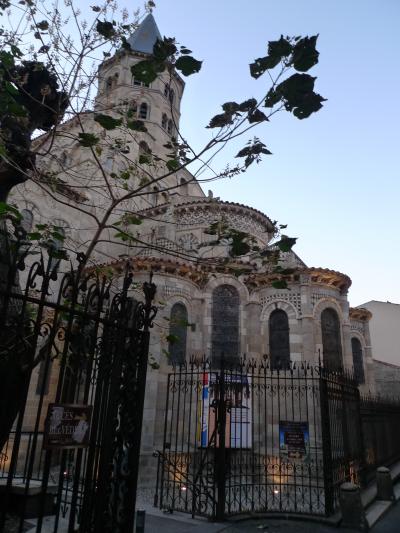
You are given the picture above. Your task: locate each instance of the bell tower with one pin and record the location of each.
(157, 104)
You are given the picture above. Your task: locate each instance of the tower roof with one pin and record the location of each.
(145, 36)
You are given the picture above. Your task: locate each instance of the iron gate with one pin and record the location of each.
(249, 438)
(81, 339)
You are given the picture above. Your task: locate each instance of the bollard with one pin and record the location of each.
(353, 514)
(384, 484)
(140, 520)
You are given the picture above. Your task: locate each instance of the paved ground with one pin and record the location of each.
(155, 524)
(158, 522)
(390, 523)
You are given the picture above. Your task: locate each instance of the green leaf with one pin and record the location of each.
(88, 139)
(219, 121)
(58, 236)
(123, 236)
(262, 64)
(286, 243)
(107, 122)
(272, 98)
(257, 116)
(136, 125)
(172, 164)
(42, 25)
(277, 50)
(305, 54)
(231, 107)
(10, 88)
(132, 219)
(34, 236)
(147, 71)
(188, 65)
(279, 284)
(172, 339)
(248, 105)
(6, 59)
(297, 94)
(7, 209)
(164, 48)
(106, 29)
(144, 159)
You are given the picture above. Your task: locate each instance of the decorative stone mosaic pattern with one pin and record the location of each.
(292, 297)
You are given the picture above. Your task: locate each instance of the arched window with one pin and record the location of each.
(164, 121)
(108, 85)
(331, 343)
(171, 96)
(170, 127)
(166, 91)
(144, 111)
(279, 345)
(358, 363)
(225, 325)
(26, 220)
(144, 149)
(178, 333)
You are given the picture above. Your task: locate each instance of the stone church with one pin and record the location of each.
(212, 300)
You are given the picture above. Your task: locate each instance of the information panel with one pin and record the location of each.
(294, 439)
(67, 426)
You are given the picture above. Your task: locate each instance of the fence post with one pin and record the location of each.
(384, 484)
(220, 450)
(353, 514)
(326, 444)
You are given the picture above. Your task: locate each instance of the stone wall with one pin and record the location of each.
(387, 379)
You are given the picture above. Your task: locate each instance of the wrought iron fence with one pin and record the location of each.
(69, 341)
(251, 438)
(380, 423)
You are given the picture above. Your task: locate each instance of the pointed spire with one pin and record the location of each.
(145, 36)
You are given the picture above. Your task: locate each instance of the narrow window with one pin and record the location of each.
(108, 85)
(144, 149)
(358, 360)
(225, 325)
(170, 127)
(166, 91)
(178, 334)
(143, 111)
(279, 339)
(331, 343)
(171, 96)
(164, 121)
(27, 220)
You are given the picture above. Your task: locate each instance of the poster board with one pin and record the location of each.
(294, 440)
(67, 426)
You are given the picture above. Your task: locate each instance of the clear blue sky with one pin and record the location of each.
(334, 178)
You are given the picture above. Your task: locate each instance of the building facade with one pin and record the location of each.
(217, 296)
